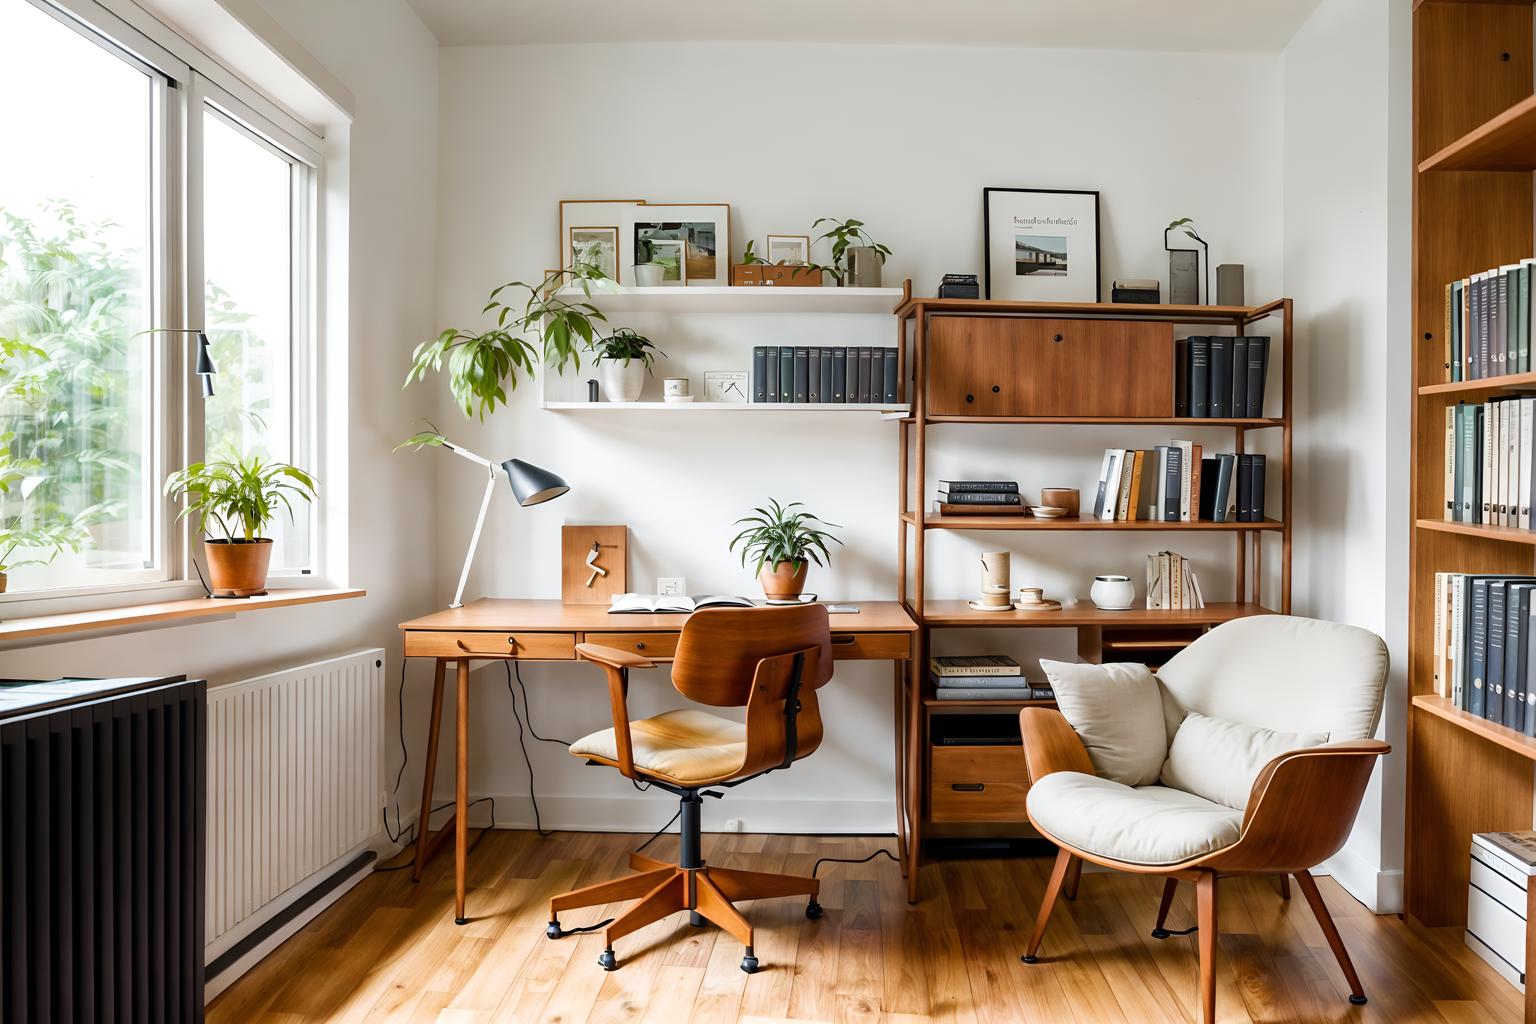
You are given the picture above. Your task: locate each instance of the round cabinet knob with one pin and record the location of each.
(970, 398)
(512, 643)
(1057, 338)
(639, 645)
(995, 389)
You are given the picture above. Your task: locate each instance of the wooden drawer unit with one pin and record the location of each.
(486, 644)
(977, 784)
(871, 646)
(1011, 366)
(647, 645)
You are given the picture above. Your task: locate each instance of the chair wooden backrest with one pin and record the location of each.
(746, 657)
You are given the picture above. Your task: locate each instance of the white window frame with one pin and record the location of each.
(187, 78)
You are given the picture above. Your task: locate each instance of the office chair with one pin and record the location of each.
(769, 661)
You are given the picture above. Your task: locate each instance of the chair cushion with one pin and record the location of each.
(687, 746)
(1219, 760)
(1150, 825)
(1117, 711)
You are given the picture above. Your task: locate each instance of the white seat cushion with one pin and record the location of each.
(1151, 825)
(687, 746)
(1117, 711)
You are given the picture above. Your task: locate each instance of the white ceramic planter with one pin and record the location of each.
(1113, 593)
(622, 382)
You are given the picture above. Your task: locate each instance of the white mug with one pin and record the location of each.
(675, 387)
(1112, 593)
(648, 275)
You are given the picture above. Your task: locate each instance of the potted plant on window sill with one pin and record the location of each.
(239, 497)
(624, 361)
(783, 542)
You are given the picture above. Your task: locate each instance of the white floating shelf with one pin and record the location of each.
(877, 407)
(749, 299)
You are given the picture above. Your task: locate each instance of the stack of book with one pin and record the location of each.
(1483, 646)
(1489, 474)
(1217, 377)
(1488, 323)
(808, 373)
(983, 677)
(1178, 482)
(1172, 583)
(980, 498)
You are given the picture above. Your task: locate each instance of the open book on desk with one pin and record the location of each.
(682, 604)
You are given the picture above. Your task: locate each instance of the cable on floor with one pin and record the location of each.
(478, 838)
(851, 860)
(538, 824)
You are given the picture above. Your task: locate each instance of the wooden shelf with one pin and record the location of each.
(1086, 523)
(1504, 736)
(1511, 381)
(716, 299)
(1506, 534)
(1183, 314)
(934, 704)
(959, 613)
(44, 627)
(1124, 421)
(760, 407)
(1505, 142)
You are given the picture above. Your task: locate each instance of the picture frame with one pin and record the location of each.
(705, 229)
(792, 250)
(599, 245)
(728, 387)
(1041, 244)
(584, 212)
(672, 254)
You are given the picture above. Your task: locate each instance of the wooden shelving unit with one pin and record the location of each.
(1474, 147)
(1137, 347)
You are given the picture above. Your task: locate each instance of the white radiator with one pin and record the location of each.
(295, 783)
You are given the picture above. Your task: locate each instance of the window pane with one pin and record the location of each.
(77, 396)
(248, 220)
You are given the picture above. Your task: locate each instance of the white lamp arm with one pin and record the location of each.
(474, 540)
(465, 453)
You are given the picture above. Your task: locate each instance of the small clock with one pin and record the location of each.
(728, 386)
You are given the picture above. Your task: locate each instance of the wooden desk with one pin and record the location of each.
(548, 631)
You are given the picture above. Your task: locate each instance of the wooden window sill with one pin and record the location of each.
(51, 628)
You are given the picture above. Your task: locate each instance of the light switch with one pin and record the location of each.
(671, 585)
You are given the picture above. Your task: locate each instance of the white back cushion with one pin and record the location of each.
(1116, 710)
(1280, 672)
(1219, 760)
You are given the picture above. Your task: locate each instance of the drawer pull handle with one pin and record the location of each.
(995, 389)
(843, 639)
(639, 645)
(967, 787)
(1057, 338)
(970, 398)
(511, 649)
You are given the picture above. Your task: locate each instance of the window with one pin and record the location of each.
(107, 260)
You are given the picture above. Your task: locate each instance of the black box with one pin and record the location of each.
(959, 286)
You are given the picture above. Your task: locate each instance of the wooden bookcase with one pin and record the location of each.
(1063, 364)
(1474, 148)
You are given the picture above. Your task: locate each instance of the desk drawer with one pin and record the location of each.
(647, 645)
(871, 646)
(978, 784)
(486, 644)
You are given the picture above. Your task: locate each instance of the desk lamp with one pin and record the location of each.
(530, 484)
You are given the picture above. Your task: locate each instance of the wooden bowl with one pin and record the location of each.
(1062, 497)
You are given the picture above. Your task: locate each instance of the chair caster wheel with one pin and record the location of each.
(553, 931)
(1161, 933)
(607, 961)
(696, 920)
(1357, 1000)
(813, 910)
(749, 964)
(1030, 959)
(461, 920)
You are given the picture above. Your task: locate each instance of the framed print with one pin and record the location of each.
(790, 249)
(595, 246)
(703, 229)
(1041, 244)
(726, 386)
(579, 212)
(671, 254)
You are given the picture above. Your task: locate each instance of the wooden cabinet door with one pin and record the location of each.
(1010, 366)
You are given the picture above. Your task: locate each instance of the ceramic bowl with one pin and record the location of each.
(1047, 511)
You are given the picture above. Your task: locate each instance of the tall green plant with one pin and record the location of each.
(844, 235)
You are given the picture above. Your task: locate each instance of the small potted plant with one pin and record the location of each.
(856, 257)
(782, 542)
(624, 359)
(239, 497)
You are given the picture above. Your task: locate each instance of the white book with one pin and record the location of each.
(1112, 484)
(1194, 599)
(1523, 459)
(1127, 475)
(1512, 464)
(1186, 467)
(1453, 642)
(1496, 457)
(1484, 504)
(1098, 501)
(647, 603)
(1439, 664)
(1154, 582)
(1176, 574)
(1450, 462)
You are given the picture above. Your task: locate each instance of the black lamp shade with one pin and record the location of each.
(204, 359)
(531, 484)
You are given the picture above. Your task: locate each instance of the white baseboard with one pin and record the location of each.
(1380, 891)
(648, 812)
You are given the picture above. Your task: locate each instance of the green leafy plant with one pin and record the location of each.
(778, 533)
(239, 495)
(845, 235)
(483, 366)
(750, 256)
(624, 345)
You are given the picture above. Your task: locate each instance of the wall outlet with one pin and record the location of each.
(733, 824)
(673, 585)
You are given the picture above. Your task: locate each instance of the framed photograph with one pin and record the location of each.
(578, 212)
(1041, 244)
(594, 246)
(791, 249)
(671, 254)
(703, 229)
(728, 386)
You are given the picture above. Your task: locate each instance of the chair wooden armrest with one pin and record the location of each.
(616, 665)
(1051, 744)
(1302, 807)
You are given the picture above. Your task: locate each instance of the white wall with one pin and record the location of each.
(1346, 224)
(904, 138)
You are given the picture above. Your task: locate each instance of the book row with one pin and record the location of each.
(1488, 323)
(1217, 377)
(983, 677)
(1489, 474)
(1483, 649)
(809, 373)
(1178, 482)
(1172, 583)
(979, 497)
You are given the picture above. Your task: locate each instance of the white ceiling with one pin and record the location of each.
(1222, 26)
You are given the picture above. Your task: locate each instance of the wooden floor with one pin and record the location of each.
(389, 950)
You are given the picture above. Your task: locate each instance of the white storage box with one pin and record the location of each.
(1496, 900)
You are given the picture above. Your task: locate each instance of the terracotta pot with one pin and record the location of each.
(238, 568)
(784, 581)
(3, 580)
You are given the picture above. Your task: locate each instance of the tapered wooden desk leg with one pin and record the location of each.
(900, 700)
(429, 772)
(461, 794)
